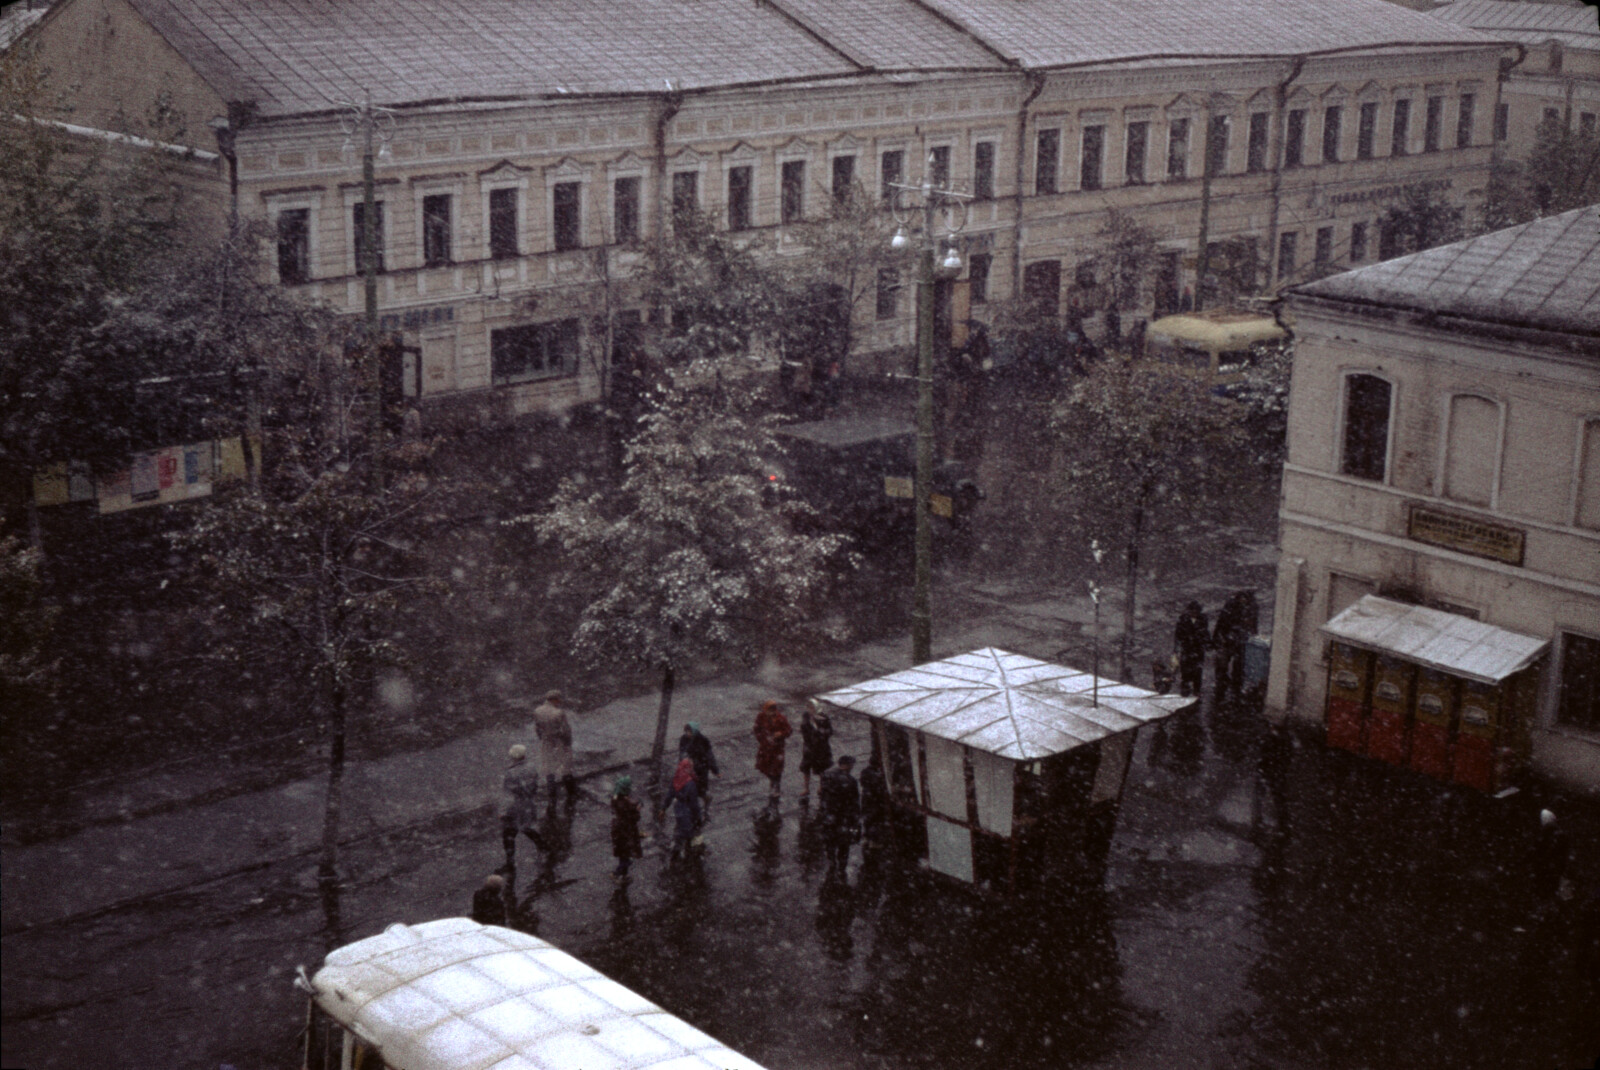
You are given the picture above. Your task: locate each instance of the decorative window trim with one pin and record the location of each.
(305, 197)
(503, 177)
(354, 195)
(423, 186)
(1440, 469)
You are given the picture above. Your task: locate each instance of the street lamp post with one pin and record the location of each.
(930, 202)
(373, 124)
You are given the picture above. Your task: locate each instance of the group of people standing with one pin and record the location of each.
(1237, 621)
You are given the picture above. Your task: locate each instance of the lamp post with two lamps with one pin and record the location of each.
(372, 124)
(938, 259)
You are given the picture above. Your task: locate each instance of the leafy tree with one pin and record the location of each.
(1124, 258)
(1562, 172)
(81, 224)
(688, 559)
(1136, 441)
(1422, 220)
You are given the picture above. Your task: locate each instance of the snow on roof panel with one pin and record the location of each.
(1543, 275)
(477, 1010)
(1445, 641)
(1006, 704)
(1497, 15)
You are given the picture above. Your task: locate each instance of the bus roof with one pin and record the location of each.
(456, 995)
(1219, 330)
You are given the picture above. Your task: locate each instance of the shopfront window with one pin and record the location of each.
(1579, 702)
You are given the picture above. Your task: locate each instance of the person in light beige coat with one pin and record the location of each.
(555, 744)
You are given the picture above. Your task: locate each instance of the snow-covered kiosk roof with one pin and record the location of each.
(1448, 642)
(455, 995)
(1005, 704)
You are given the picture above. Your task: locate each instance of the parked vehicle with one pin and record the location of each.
(456, 995)
(1217, 346)
(858, 473)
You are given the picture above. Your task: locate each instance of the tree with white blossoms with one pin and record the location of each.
(689, 559)
(1139, 444)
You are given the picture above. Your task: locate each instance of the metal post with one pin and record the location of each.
(921, 606)
(369, 269)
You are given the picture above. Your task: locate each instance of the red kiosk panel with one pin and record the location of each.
(1349, 686)
(1474, 763)
(1388, 735)
(1430, 731)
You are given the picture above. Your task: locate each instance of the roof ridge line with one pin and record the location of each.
(816, 33)
(962, 28)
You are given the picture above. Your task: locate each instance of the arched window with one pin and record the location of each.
(1367, 400)
(1472, 449)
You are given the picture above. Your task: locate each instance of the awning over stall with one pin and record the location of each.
(1006, 704)
(1439, 640)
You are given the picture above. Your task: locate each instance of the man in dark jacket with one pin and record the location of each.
(874, 803)
(1191, 637)
(1235, 625)
(839, 800)
(489, 902)
(694, 746)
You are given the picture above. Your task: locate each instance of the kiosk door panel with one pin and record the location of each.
(1388, 735)
(1474, 763)
(1430, 731)
(1349, 680)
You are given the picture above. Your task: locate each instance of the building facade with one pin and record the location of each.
(524, 160)
(1444, 451)
(1554, 75)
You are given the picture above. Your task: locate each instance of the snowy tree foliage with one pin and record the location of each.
(1562, 172)
(688, 559)
(1137, 441)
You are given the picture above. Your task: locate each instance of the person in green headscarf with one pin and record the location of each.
(626, 842)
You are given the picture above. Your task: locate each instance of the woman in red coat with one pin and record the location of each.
(772, 732)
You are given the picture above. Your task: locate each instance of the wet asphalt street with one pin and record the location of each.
(1332, 913)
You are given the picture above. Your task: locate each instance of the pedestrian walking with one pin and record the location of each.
(685, 808)
(1191, 637)
(626, 841)
(816, 746)
(874, 804)
(694, 746)
(555, 745)
(489, 902)
(839, 800)
(520, 804)
(1236, 623)
(772, 732)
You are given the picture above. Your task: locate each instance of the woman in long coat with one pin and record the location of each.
(626, 843)
(555, 744)
(772, 732)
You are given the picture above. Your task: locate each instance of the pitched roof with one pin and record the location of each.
(1006, 704)
(299, 56)
(1543, 275)
(1575, 26)
(1054, 33)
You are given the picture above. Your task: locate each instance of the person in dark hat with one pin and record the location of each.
(839, 805)
(694, 746)
(489, 902)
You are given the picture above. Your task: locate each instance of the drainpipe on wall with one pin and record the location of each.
(1280, 97)
(671, 101)
(1036, 80)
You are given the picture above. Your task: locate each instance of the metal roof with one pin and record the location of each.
(1543, 275)
(1448, 642)
(455, 995)
(1574, 25)
(1006, 704)
(846, 431)
(293, 57)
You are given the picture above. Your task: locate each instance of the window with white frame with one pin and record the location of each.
(566, 215)
(792, 192)
(504, 210)
(295, 226)
(1366, 415)
(436, 236)
(1586, 490)
(534, 351)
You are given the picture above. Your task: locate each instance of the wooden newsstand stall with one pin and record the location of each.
(1004, 771)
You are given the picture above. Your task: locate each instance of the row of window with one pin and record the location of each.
(1470, 460)
(1137, 140)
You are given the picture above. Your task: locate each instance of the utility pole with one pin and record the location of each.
(376, 125)
(930, 200)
